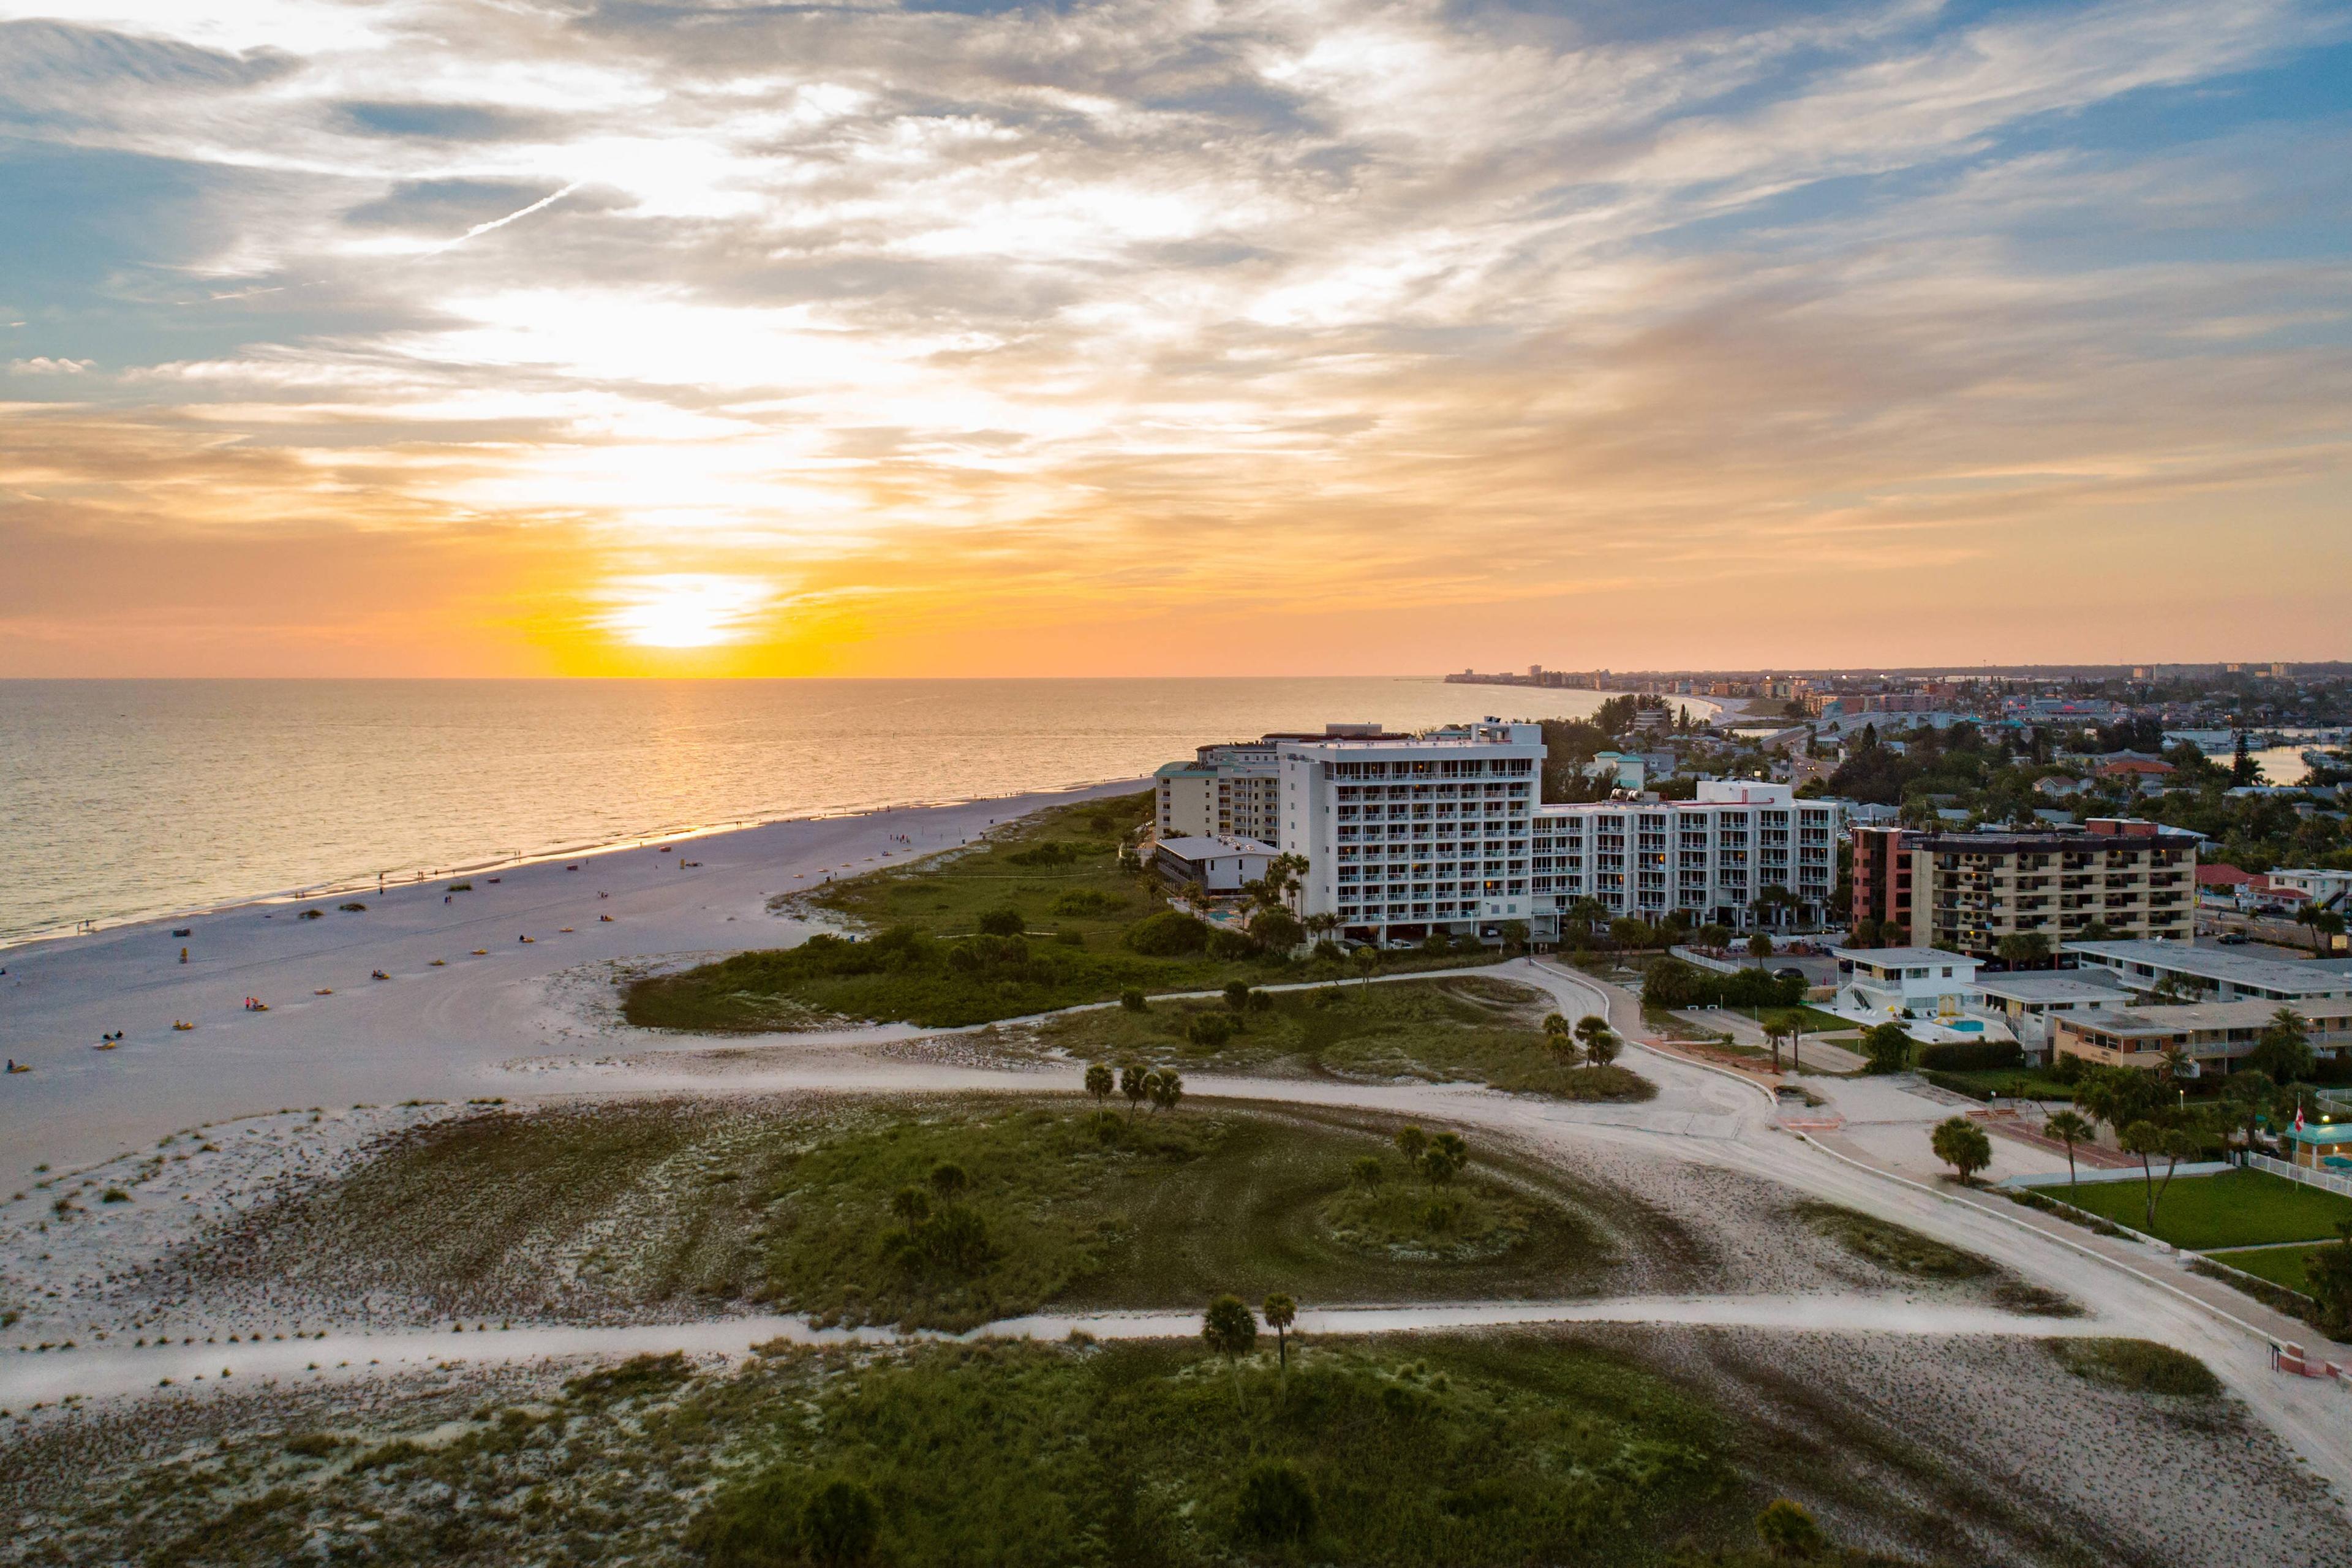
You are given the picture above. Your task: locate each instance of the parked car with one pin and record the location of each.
(2232, 939)
(1787, 971)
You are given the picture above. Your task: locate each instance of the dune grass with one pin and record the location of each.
(1466, 1028)
(2137, 1366)
(614, 1212)
(2231, 1209)
(1059, 870)
(1463, 1451)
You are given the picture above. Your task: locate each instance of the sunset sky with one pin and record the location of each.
(517, 337)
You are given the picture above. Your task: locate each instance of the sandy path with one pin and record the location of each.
(111, 1372)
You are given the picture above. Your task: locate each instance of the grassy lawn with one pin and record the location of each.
(609, 1213)
(2025, 1082)
(2235, 1208)
(1468, 1029)
(2280, 1265)
(1434, 1452)
(1058, 871)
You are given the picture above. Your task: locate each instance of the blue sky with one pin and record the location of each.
(424, 336)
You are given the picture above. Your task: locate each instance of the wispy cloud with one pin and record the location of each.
(1261, 322)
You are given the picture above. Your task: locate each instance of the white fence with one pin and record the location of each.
(2335, 1182)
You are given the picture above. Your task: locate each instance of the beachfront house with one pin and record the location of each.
(2027, 1001)
(1906, 982)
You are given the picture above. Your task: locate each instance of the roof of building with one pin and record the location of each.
(1196, 849)
(2186, 1018)
(2211, 875)
(2051, 985)
(1907, 956)
(2321, 1132)
(2052, 842)
(1183, 771)
(2303, 977)
(2134, 765)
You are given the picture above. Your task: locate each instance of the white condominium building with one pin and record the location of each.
(1405, 835)
(1228, 790)
(1713, 857)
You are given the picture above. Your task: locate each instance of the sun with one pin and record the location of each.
(685, 609)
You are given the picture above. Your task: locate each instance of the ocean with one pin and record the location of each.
(127, 799)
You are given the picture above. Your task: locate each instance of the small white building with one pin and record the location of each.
(1220, 865)
(2326, 889)
(2027, 1000)
(1882, 982)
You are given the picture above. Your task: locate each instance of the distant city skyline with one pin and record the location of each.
(429, 338)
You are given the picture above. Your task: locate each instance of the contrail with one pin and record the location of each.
(446, 245)
(482, 228)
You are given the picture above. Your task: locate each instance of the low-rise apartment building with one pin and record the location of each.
(1712, 857)
(2029, 1001)
(2214, 1036)
(1218, 864)
(1965, 891)
(2216, 973)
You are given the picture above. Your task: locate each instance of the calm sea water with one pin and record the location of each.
(123, 799)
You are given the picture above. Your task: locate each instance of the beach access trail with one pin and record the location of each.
(488, 1027)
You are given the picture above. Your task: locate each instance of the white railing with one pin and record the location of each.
(2331, 1181)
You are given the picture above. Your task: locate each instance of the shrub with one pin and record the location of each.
(1004, 921)
(461, 887)
(1066, 938)
(311, 915)
(1237, 994)
(1084, 902)
(1171, 934)
(314, 1444)
(1971, 1055)
(1888, 1048)
(1786, 1530)
(1133, 1001)
(1277, 930)
(1057, 852)
(1945, 1081)
(353, 908)
(114, 1195)
(1276, 1503)
(1327, 950)
(839, 1523)
(1229, 944)
(1209, 1030)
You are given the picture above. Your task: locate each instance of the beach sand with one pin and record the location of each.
(426, 1032)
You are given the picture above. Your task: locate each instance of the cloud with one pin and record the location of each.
(43, 365)
(989, 314)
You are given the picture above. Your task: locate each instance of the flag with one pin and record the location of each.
(2298, 1115)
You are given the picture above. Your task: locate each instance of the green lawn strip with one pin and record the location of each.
(2234, 1208)
(2284, 1266)
(2017, 1082)
(1463, 1451)
(1059, 870)
(1463, 1028)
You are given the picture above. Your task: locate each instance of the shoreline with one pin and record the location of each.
(11, 942)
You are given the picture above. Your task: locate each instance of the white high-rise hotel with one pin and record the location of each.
(1407, 835)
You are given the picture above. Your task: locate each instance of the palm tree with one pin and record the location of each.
(1778, 1027)
(1134, 1083)
(1961, 1145)
(2069, 1128)
(1281, 1311)
(1167, 1089)
(1229, 1330)
(1561, 1039)
(1100, 1081)
(1599, 1043)
(1410, 1143)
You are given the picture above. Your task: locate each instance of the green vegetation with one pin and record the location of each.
(1449, 1452)
(2136, 1366)
(1044, 913)
(2287, 1266)
(2017, 1083)
(2234, 1208)
(1963, 1145)
(1891, 1246)
(940, 1214)
(1467, 1028)
(1453, 1452)
(1671, 982)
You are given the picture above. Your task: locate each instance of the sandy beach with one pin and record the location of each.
(437, 1027)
